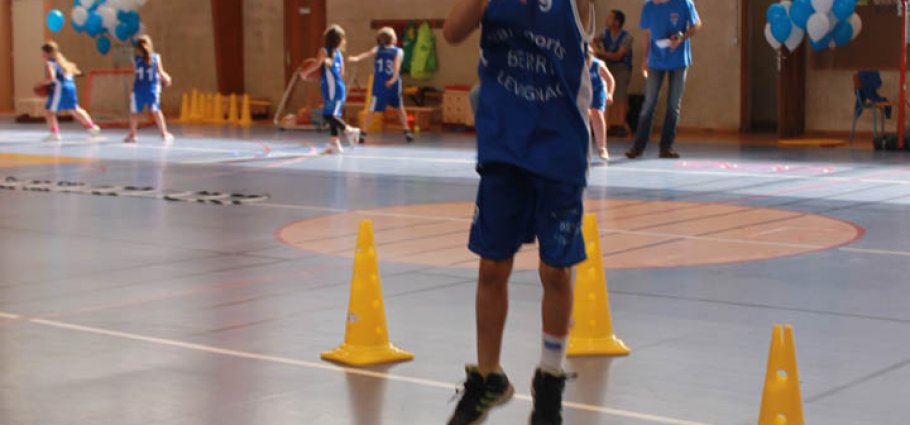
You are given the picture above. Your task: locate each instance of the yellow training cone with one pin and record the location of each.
(592, 329)
(246, 116)
(366, 338)
(233, 114)
(781, 403)
(185, 111)
(209, 108)
(195, 107)
(218, 109)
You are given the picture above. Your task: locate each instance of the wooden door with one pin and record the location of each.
(791, 111)
(304, 25)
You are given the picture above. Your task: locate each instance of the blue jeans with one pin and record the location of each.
(677, 83)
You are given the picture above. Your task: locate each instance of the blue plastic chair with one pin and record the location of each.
(865, 89)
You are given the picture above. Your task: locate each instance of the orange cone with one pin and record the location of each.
(185, 111)
(195, 107)
(217, 109)
(246, 116)
(366, 338)
(781, 402)
(233, 114)
(592, 329)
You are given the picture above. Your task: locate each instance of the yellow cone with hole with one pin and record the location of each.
(217, 109)
(233, 113)
(184, 108)
(592, 325)
(246, 115)
(366, 338)
(781, 402)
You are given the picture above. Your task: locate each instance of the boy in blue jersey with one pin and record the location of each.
(668, 25)
(602, 87)
(386, 80)
(533, 138)
(150, 76)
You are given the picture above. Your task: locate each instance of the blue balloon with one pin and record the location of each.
(122, 32)
(843, 33)
(843, 9)
(94, 25)
(103, 45)
(800, 12)
(822, 44)
(775, 12)
(781, 29)
(55, 20)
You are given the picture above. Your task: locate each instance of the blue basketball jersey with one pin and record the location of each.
(60, 75)
(333, 88)
(147, 79)
(385, 67)
(535, 88)
(597, 82)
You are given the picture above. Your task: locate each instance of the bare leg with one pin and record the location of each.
(492, 306)
(162, 124)
(403, 115)
(83, 117)
(557, 299)
(599, 125)
(134, 126)
(52, 124)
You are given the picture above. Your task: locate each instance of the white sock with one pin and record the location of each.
(553, 353)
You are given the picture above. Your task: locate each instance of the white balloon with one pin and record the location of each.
(822, 6)
(832, 20)
(79, 15)
(770, 37)
(108, 18)
(87, 4)
(786, 4)
(795, 39)
(857, 23)
(818, 26)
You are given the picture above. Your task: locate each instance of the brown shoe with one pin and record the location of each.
(634, 153)
(668, 154)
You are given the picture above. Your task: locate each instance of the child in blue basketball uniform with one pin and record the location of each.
(330, 60)
(61, 85)
(149, 77)
(533, 138)
(386, 80)
(602, 87)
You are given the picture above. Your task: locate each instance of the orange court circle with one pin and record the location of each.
(634, 233)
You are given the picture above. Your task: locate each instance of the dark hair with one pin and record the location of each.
(620, 17)
(334, 35)
(145, 47)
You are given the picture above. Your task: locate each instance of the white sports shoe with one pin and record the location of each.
(168, 138)
(353, 136)
(333, 148)
(53, 137)
(130, 139)
(95, 131)
(603, 154)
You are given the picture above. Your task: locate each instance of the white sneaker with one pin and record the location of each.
(168, 138)
(95, 131)
(333, 148)
(603, 154)
(353, 136)
(130, 139)
(53, 137)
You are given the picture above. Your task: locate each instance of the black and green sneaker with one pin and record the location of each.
(547, 392)
(408, 136)
(480, 395)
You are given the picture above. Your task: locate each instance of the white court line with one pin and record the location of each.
(9, 316)
(332, 368)
(876, 251)
(623, 168)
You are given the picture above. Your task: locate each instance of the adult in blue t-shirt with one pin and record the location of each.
(667, 27)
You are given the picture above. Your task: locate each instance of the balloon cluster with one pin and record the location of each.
(102, 20)
(828, 23)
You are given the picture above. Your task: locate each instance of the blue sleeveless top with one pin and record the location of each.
(385, 68)
(333, 87)
(597, 82)
(147, 78)
(536, 88)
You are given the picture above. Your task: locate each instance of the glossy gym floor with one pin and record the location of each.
(136, 310)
